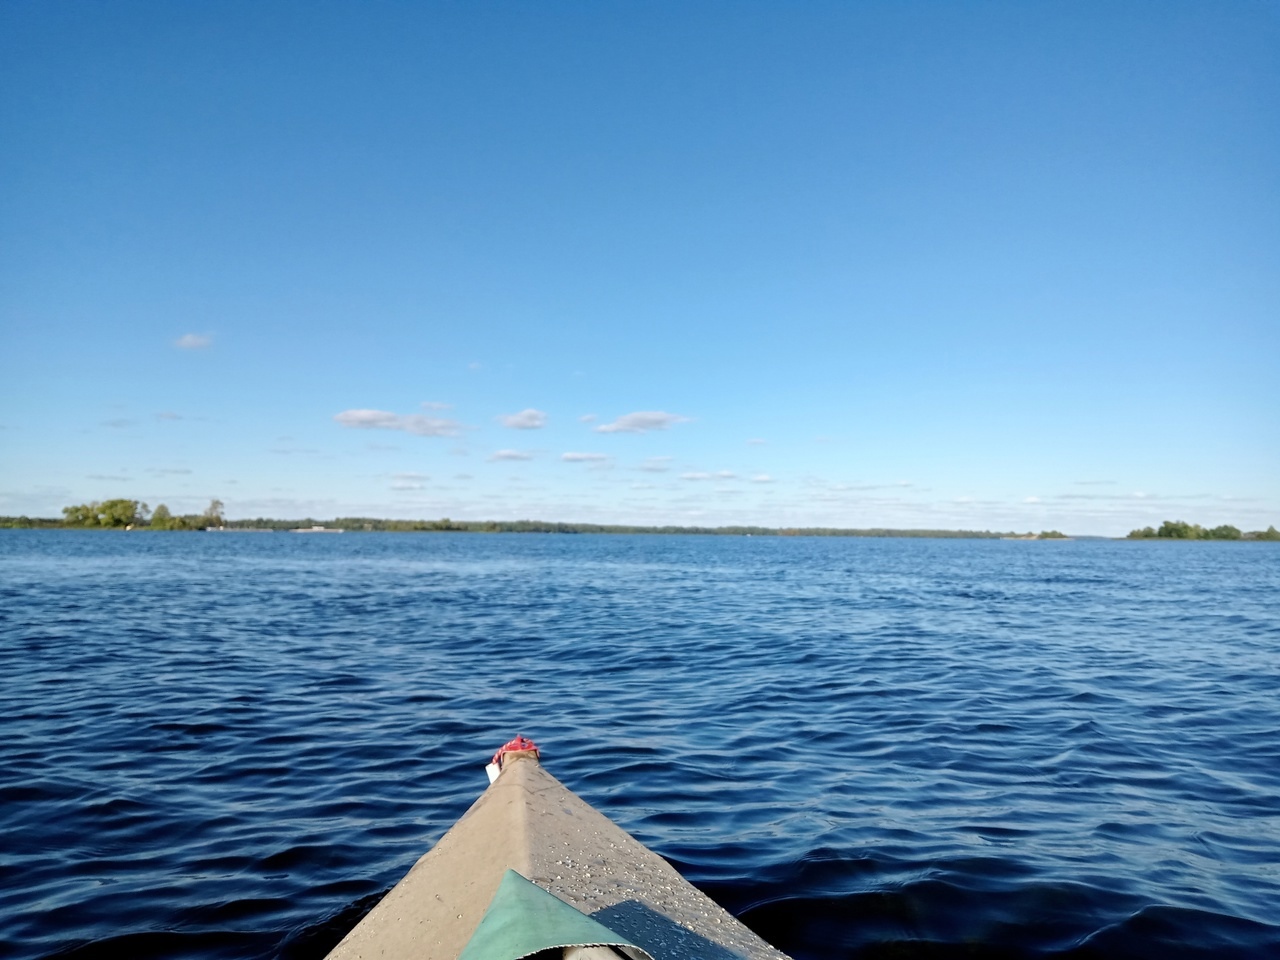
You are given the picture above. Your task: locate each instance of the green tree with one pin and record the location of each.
(161, 519)
(213, 513)
(1224, 532)
(1180, 530)
(108, 513)
(122, 513)
(81, 515)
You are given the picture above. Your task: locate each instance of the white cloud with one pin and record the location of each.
(1031, 500)
(107, 476)
(193, 341)
(169, 471)
(702, 475)
(762, 478)
(642, 421)
(415, 423)
(656, 464)
(407, 485)
(755, 441)
(511, 455)
(529, 419)
(410, 475)
(584, 457)
(168, 415)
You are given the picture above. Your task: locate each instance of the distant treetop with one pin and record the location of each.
(1181, 530)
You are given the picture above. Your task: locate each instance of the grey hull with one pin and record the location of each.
(529, 822)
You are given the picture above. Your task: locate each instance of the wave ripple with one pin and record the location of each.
(223, 746)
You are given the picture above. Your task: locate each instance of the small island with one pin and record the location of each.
(1181, 530)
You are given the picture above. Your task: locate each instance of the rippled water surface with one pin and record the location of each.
(229, 745)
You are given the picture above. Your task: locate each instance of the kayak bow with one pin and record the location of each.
(470, 896)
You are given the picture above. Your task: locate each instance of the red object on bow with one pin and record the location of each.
(518, 745)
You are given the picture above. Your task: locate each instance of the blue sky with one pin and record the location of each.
(981, 265)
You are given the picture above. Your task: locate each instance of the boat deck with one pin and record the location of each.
(530, 822)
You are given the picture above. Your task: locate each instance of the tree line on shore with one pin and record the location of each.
(136, 515)
(1181, 530)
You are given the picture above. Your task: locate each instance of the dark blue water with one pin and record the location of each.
(229, 745)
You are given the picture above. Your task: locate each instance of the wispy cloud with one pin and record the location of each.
(288, 450)
(755, 441)
(762, 478)
(642, 421)
(1123, 497)
(168, 415)
(1031, 500)
(511, 455)
(1094, 483)
(529, 419)
(169, 471)
(435, 405)
(119, 423)
(584, 457)
(108, 476)
(588, 418)
(703, 475)
(656, 464)
(193, 341)
(415, 423)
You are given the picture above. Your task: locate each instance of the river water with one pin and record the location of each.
(230, 745)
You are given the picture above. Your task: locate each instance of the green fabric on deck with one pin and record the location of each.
(523, 919)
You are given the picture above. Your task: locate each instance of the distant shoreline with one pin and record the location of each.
(377, 525)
